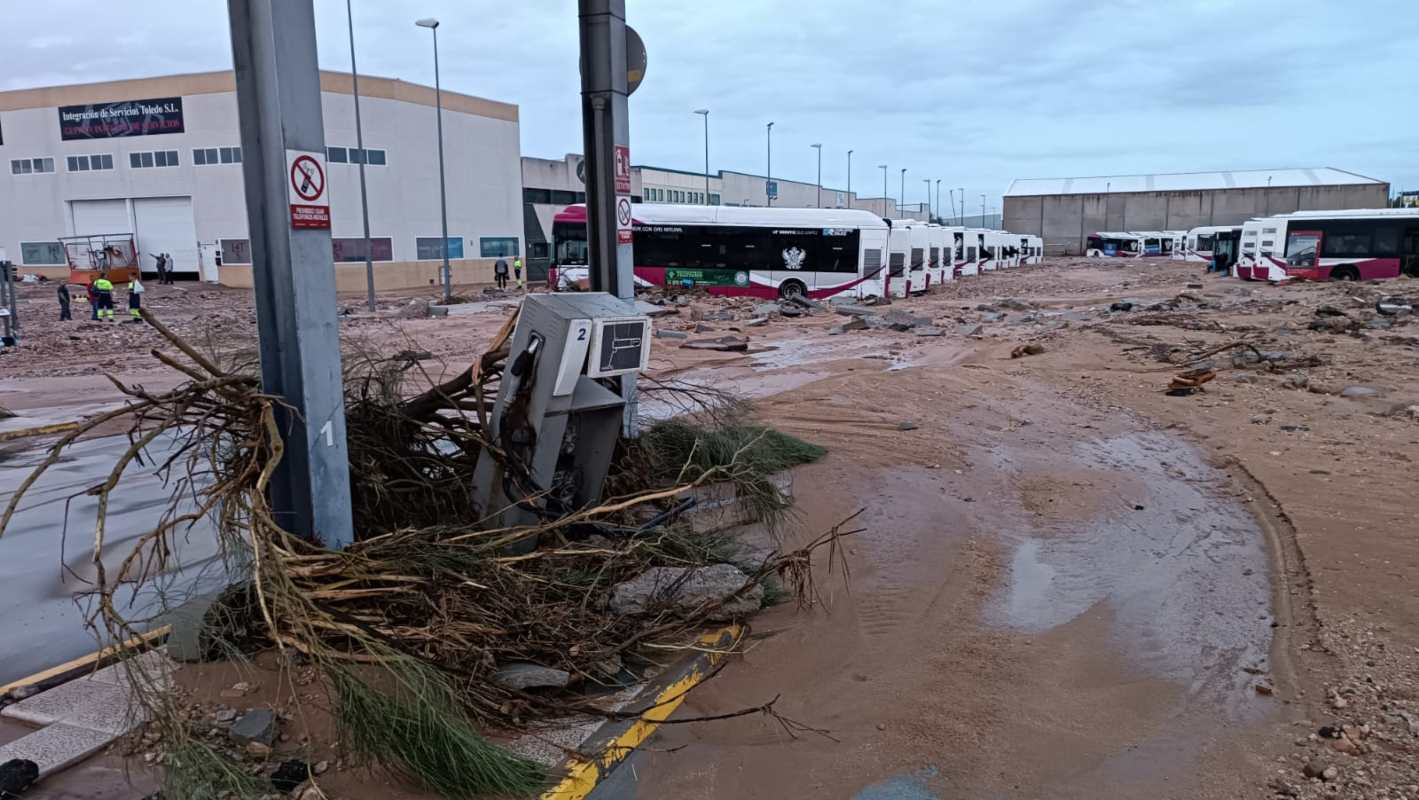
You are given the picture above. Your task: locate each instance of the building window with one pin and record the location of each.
(336, 155)
(537, 196)
(497, 246)
(87, 163)
(426, 248)
(27, 166)
(353, 249)
(41, 253)
(714, 199)
(209, 156)
(236, 251)
(157, 158)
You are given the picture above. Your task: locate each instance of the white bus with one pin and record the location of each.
(1350, 245)
(729, 250)
(899, 251)
(1208, 242)
(1114, 244)
(1034, 249)
(938, 258)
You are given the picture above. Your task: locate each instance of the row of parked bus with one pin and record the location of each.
(1351, 244)
(785, 252)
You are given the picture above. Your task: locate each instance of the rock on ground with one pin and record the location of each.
(256, 725)
(522, 676)
(685, 590)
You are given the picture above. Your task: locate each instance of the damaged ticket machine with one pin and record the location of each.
(558, 414)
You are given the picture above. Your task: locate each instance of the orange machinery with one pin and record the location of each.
(89, 256)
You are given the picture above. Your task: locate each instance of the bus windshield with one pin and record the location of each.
(570, 241)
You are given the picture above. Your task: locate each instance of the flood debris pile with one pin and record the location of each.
(432, 626)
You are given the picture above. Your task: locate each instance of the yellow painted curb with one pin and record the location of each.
(91, 661)
(582, 775)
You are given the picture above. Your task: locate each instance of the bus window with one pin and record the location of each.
(837, 251)
(795, 250)
(896, 264)
(1301, 248)
(1347, 245)
(1203, 242)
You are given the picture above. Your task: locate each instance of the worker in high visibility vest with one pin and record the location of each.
(135, 299)
(103, 287)
(517, 270)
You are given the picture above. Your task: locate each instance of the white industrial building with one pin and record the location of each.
(160, 158)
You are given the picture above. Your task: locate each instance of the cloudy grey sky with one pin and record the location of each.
(973, 93)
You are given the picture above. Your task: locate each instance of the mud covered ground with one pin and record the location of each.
(1072, 583)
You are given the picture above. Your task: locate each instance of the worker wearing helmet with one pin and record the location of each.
(104, 288)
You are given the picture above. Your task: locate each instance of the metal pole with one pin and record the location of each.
(7, 302)
(360, 145)
(819, 148)
(849, 179)
(902, 203)
(927, 181)
(278, 103)
(982, 211)
(768, 163)
(938, 198)
(606, 128)
(443, 191)
(962, 190)
(705, 113)
(883, 167)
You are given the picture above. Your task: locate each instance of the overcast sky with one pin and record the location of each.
(973, 93)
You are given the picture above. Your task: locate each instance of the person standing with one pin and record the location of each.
(104, 287)
(162, 267)
(64, 299)
(500, 272)
(135, 300)
(167, 268)
(517, 270)
(92, 293)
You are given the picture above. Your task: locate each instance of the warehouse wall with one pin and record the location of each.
(1063, 221)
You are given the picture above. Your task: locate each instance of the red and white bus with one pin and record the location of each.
(729, 250)
(1350, 245)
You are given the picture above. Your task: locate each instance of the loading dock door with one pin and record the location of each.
(164, 225)
(99, 216)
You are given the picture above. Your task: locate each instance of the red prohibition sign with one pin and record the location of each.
(307, 178)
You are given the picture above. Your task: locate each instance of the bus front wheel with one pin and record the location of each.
(792, 290)
(1345, 272)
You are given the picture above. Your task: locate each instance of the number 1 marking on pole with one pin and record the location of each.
(329, 433)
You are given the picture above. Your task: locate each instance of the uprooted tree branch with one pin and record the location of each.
(408, 625)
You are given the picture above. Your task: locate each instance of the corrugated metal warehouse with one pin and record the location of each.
(1063, 211)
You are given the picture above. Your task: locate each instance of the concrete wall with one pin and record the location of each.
(387, 274)
(1063, 221)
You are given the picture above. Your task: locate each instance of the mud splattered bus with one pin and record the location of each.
(1350, 245)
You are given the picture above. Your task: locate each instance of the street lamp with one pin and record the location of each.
(982, 211)
(768, 163)
(360, 145)
(962, 191)
(938, 198)
(433, 25)
(849, 179)
(927, 181)
(903, 201)
(819, 148)
(704, 112)
(883, 167)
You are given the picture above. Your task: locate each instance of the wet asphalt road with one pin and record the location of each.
(46, 554)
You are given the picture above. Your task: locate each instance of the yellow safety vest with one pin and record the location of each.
(103, 285)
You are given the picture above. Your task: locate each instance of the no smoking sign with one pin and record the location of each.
(623, 220)
(306, 189)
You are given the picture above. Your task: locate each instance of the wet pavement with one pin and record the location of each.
(46, 555)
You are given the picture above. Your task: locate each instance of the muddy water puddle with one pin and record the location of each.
(1180, 565)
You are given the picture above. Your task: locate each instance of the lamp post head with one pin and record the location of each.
(427, 22)
(704, 111)
(770, 126)
(819, 146)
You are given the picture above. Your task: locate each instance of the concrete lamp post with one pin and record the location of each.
(704, 112)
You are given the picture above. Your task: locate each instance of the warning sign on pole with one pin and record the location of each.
(310, 205)
(623, 220)
(623, 169)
